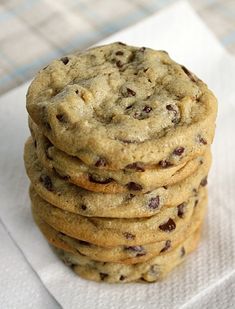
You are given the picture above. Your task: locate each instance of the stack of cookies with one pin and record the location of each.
(118, 160)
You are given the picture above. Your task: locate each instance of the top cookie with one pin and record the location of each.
(117, 105)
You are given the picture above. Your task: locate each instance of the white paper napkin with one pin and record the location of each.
(207, 279)
(20, 287)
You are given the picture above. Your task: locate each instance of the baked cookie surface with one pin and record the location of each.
(120, 254)
(150, 271)
(113, 231)
(119, 105)
(59, 192)
(136, 180)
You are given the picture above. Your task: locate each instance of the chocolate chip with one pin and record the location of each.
(134, 248)
(123, 44)
(128, 107)
(65, 177)
(168, 226)
(134, 186)
(138, 166)
(190, 74)
(181, 210)
(203, 183)
(165, 163)
(46, 180)
(178, 151)
(77, 92)
(119, 53)
(103, 276)
(35, 144)
(202, 140)
(154, 202)
(122, 278)
(147, 109)
(56, 91)
(185, 70)
(165, 187)
(101, 162)
(83, 207)
(128, 235)
(195, 203)
(140, 254)
(130, 92)
(65, 60)
(125, 141)
(130, 197)
(61, 117)
(166, 247)
(182, 252)
(119, 64)
(84, 243)
(142, 49)
(145, 70)
(47, 125)
(137, 115)
(103, 182)
(171, 108)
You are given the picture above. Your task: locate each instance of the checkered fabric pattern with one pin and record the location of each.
(33, 32)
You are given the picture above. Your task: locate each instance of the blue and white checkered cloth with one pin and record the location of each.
(33, 32)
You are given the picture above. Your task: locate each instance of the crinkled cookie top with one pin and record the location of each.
(114, 94)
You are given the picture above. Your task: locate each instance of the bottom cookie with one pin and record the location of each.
(150, 271)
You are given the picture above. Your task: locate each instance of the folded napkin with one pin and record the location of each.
(207, 278)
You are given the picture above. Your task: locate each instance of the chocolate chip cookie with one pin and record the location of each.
(150, 271)
(113, 231)
(120, 254)
(116, 106)
(118, 160)
(59, 192)
(134, 178)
